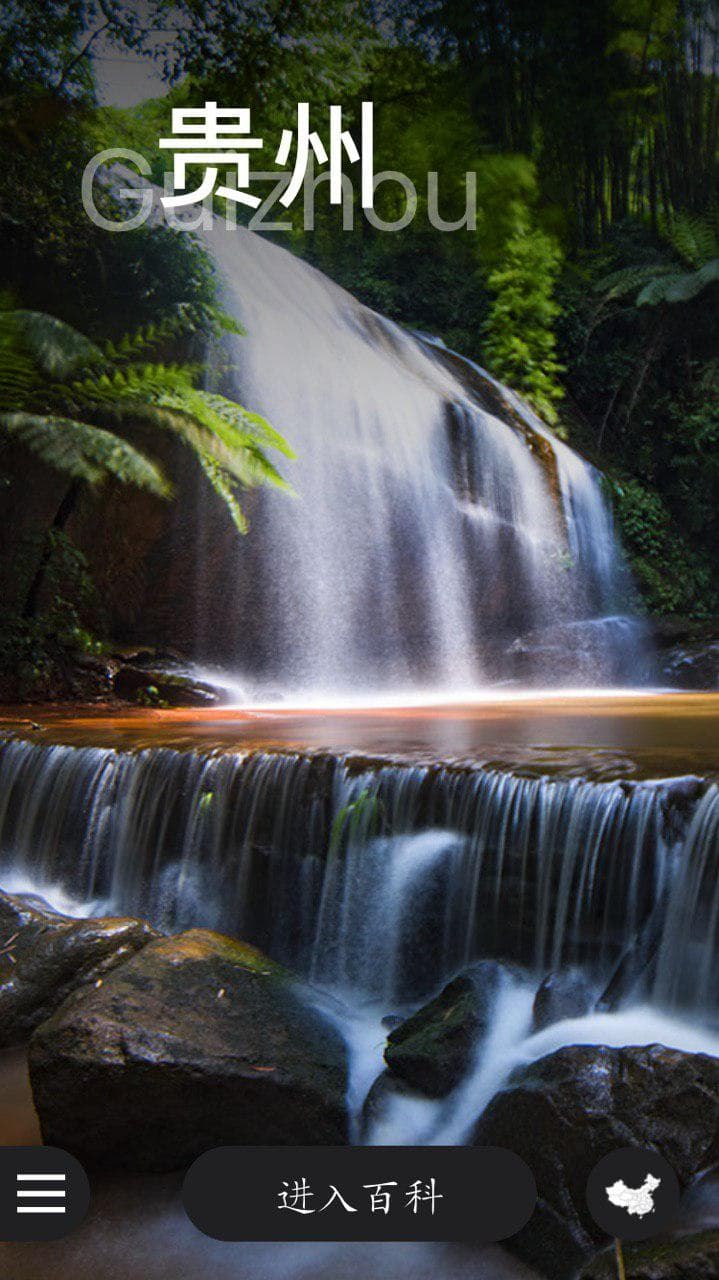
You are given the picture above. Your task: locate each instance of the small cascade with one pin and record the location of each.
(687, 967)
(378, 878)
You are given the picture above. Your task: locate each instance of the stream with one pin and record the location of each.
(440, 742)
(516, 858)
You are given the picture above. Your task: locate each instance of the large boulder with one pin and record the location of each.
(564, 993)
(44, 956)
(690, 1257)
(563, 1113)
(197, 1042)
(433, 1050)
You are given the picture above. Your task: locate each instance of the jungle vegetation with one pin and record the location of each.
(590, 282)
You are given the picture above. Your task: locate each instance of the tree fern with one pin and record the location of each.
(53, 347)
(694, 266)
(84, 452)
(694, 240)
(184, 320)
(74, 405)
(217, 479)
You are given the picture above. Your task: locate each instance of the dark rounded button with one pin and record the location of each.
(633, 1194)
(44, 1193)
(473, 1194)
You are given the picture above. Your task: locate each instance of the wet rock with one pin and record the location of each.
(610, 646)
(563, 994)
(692, 666)
(633, 972)
(146, 656)
(82, 677)
(198, 1041)
(385, 1091)
(691, 1257)
(391, 1021)
(563, 1113)
(682, 793)
(162, 686)
(44, 956)
(433, 1050)
(688, 652)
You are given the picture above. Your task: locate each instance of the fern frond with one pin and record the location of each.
(695, 240)
(255, 469)
(631, 279)
(56, 348)
(236, 448)
(133, 382)
(694, 283)
(186, 320)
(174, 417)
(236, 454)
(224, 489)
(658, 289)
(246, 420)
(18, 378)
(84, 452)
(59, 392)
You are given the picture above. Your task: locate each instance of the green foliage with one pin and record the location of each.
(520, 340)
(673, 577)
(38, 43)
(507, 196)
(588, 127)
(178, 325)
(360, 818)
(57, 389)
(695, 245)
(615, 101)
(54, 258)
(644, 392)
(81, 451)
(150, 697)
(38, 656)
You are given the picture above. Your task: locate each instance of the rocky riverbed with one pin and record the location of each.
(145, 1050)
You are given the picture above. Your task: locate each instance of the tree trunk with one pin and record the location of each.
(62, 515)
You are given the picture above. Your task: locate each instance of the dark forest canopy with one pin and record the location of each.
(617, 101)
(591, 282)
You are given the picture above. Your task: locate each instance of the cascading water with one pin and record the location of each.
(378, 879)
(431, 527)
(686, 968)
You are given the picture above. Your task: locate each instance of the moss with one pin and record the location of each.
(691, 1257)
(204, 944)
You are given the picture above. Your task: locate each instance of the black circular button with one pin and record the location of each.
(633, 1194)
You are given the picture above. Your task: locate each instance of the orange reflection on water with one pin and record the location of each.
(601, 734)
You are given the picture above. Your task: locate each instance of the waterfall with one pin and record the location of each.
(379, 878)
(687, 966)
(441, 536)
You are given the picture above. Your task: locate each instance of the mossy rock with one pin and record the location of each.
(565, 1112)
(148, 684)
(433, 1050)
(691, 1257)
(45, 956)
(198, 1042)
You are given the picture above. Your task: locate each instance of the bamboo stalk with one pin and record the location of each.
(621, 1269)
